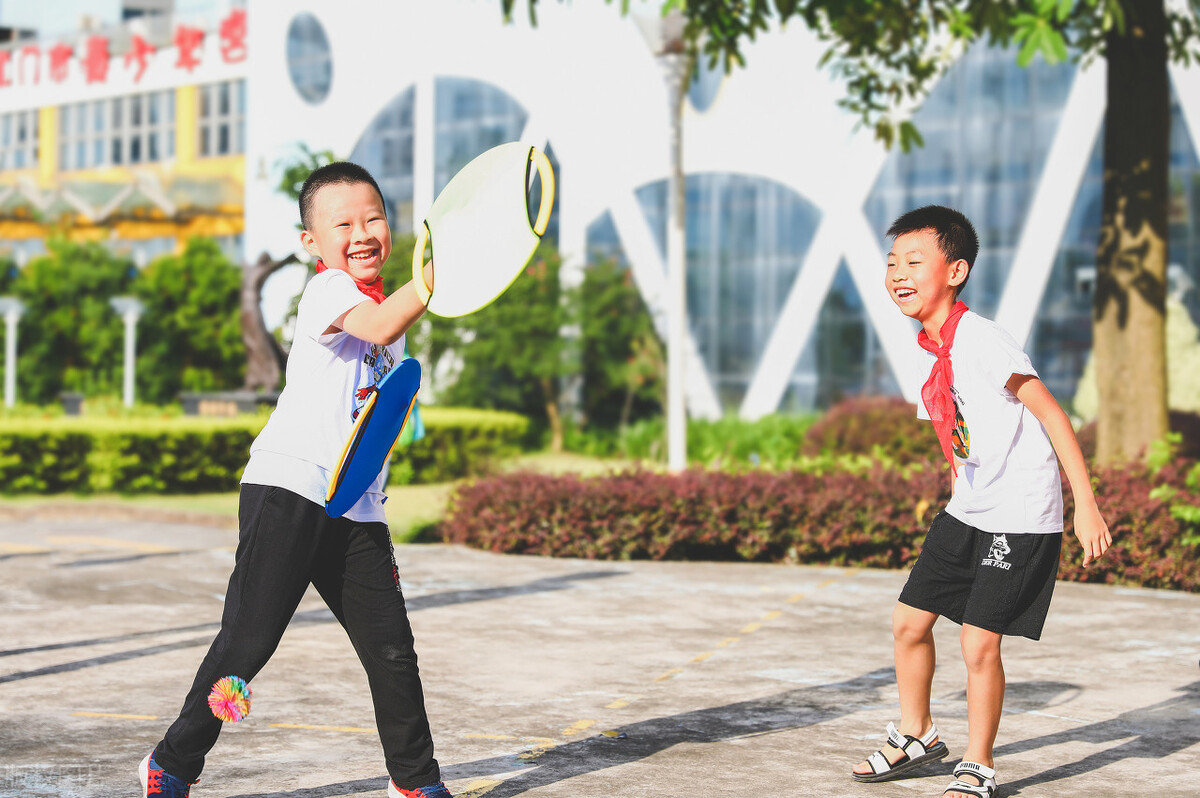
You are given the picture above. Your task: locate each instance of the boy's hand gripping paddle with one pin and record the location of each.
(375, 432)
(480, 229)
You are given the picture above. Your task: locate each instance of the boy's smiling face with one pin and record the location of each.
(349, 230)
(919, 279)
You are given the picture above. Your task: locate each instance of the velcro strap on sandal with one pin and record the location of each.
(879, 762)
(982, 771)
(905, 742)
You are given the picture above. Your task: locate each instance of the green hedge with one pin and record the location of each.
(202, 455)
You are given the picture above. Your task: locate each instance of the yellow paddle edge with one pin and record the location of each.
(545, 171)
(363, 415)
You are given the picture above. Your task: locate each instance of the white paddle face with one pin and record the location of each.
(479, 229)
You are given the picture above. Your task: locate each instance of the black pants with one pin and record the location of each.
(285, 543)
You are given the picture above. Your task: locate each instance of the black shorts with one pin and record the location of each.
(1002, 583)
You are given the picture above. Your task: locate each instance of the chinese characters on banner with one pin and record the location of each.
(24, 66)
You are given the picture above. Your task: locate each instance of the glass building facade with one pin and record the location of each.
(987, 128)
(470, 116)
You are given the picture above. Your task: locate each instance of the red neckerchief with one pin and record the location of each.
(936, 394)
(373, 290)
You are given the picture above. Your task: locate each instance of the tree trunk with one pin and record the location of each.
(552, 415)
(264, 357)
(1131, 258)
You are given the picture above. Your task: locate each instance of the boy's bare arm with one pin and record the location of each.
(1090, 527)
(384, 323)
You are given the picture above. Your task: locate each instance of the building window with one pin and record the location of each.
(222, 118)
(309, 60)
(137, 128)
(19, 139)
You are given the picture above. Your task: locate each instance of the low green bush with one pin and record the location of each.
(458, 443)
(188, 454)
(774, 441)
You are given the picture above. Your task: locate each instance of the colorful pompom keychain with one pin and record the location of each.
(230, 699)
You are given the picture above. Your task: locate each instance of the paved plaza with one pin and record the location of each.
(562, 678)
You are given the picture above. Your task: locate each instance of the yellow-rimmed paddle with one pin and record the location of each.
(480, 230)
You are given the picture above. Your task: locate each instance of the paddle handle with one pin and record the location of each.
(546, 172)
(424, 291)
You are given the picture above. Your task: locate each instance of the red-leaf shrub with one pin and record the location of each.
(1154, 542)
(873, 519)
(880, 425)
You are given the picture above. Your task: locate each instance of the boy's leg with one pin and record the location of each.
(912, 636)
(358, 578)
(985, 691)
(276, 545)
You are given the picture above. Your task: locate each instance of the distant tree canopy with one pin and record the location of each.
(190, 336)
(71, 339)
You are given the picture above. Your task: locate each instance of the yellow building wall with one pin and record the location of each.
(47, 146)
(222, 221)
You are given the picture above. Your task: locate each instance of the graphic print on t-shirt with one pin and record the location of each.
(960, 437)
(379, 360)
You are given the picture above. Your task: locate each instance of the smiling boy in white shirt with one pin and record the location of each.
(990, 559)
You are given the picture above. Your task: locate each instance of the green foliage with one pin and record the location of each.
(141, 454)
(774, 441)
(512, 352)
(458, 443)
(889, 54)
(623, 362)
(190, 336)
(295, 169)
(70, 338)
(43, 459)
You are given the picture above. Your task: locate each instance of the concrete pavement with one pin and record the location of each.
(565, 679)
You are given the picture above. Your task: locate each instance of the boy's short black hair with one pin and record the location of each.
(956, 235)
(338, 172)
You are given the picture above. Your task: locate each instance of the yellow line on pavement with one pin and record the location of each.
(305, 726)
(795, 598)
(772, 615)
(621, 703)
(671, 674)
(727, 642)
(480, 787)
(22, 548)
(750, 628)
(826, 583)
(577, 727)
(702, 657)
(110, 543)
(491, 736)
(113, 715)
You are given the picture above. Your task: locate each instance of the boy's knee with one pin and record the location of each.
(910, 625)
(980, 648)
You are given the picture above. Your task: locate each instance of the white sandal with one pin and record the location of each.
(985, 774)
(917, 751)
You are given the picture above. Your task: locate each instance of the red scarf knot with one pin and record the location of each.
(373, 290)
(936, 393)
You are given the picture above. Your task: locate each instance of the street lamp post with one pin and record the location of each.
(11, 308)
(130, 309)
(664, 36)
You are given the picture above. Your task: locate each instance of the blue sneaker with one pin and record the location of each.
(156, 781)
(429, 791)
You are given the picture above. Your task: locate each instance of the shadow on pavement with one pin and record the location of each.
(788, 710)
(308, 617)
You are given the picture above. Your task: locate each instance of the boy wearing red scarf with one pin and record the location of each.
(348, 336)
(991, 557)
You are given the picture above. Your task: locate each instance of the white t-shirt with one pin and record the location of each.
(327, 382)
(1008, 479)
